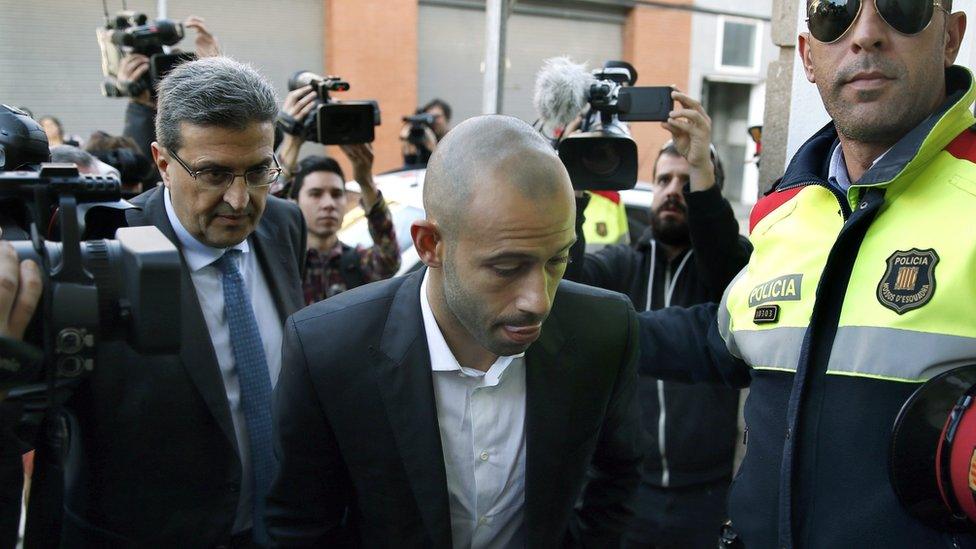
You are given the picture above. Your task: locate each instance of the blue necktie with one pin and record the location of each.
(255, 382)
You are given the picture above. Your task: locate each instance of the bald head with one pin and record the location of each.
(490, 154)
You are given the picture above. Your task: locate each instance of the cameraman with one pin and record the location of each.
(20, 291)
(689, 254)
(417, 155)
(141, 110)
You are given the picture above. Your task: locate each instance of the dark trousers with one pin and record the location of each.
(688, 517)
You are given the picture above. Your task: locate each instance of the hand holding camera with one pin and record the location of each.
(132, 69)
(418, 133)
(328, 121)
(20, 290)
(691, 130)
(298, 104)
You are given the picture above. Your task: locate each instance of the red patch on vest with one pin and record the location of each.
(770, 202)
(612, 196)
(963, 146)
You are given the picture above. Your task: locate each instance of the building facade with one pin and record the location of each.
(406, 52)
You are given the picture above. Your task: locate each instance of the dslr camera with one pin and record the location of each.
(331, 122)
(418, 125)
(107, 289)
(602, 155)
(133, 32)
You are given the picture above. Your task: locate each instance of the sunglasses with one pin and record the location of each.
(829, 20)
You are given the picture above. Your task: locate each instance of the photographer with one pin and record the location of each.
(688, 255)
(20, 291)
(332, 267)
(418, 148)
(141, 110)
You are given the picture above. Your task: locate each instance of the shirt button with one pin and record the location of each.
(484, 457)
(863, 205)
(482, 521)
(789, 433)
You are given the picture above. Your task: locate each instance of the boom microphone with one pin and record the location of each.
(562, 90)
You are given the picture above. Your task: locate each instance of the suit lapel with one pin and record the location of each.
(405, 381)
(548, 407)
(196, 350)
(281, 274)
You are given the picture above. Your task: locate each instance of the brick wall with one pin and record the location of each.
(373, 45)
(658, 43)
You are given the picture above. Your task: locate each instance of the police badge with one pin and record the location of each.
(909, 281)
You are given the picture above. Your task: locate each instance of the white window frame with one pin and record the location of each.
(757, 45)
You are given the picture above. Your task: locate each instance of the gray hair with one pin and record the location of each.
(213, 91)
(68, 154)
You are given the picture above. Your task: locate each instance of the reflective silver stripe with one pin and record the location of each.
(725, 318)
(863, 351)
(777, 348)
(661, 446)
(898, 355)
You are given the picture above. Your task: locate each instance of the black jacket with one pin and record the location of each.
(154, 460)
(699, 421)
(357, 435)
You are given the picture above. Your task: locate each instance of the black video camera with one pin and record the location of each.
(602, 155)
(418, 126)
(331, 122)
(124, 288)
(132, 32)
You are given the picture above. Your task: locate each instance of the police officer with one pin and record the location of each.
(860, 286)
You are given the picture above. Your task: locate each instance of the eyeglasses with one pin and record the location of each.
(214, 179)
(829, 20)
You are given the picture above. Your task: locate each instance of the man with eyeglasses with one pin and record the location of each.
(175, 451)
(859, 288)
(688, 255)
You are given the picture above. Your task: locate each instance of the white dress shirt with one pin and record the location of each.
(210, 293)
(481, 416)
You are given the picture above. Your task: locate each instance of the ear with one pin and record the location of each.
(955, 30)
(161, 162)
(803, 46)
(428, 241)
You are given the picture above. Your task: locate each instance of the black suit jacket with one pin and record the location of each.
(358, 439)
(154, 459)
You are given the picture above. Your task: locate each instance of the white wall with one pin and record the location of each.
(807, 114)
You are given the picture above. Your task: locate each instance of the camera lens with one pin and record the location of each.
(602, 159)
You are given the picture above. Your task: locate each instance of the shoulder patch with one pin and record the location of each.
(963, 146)
(769, 203)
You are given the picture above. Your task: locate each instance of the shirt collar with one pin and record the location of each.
(441, 357)
(837, 173)
(197, 254)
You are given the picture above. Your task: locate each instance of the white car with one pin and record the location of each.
(403, 192)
